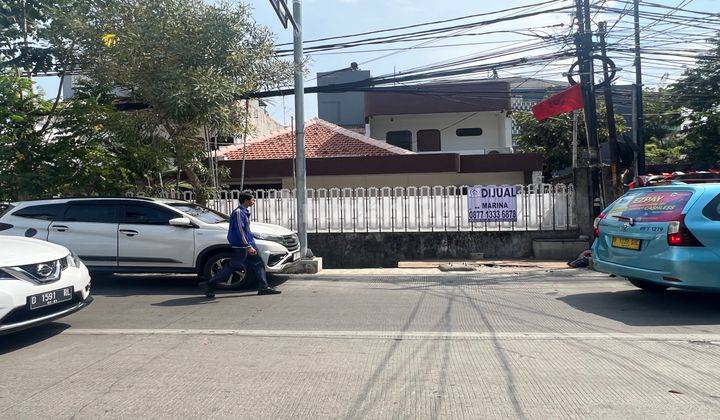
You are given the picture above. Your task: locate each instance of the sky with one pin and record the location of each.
(323, 18)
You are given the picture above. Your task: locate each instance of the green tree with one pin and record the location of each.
(664, 141)
(552, 137)
(697, 93)
(187, 60)
(92, 149)
(22, 151)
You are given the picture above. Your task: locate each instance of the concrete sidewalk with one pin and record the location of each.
(451, 266)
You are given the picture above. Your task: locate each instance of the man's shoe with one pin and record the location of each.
(268, 291)
(207, 289)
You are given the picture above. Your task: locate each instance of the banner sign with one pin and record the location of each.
(492, 203)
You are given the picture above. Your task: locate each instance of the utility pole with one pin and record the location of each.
(295, 18)
(638, 118)
(584, 43)
(610, 111)
(300, 186)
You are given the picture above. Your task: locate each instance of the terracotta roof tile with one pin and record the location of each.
(322, 139)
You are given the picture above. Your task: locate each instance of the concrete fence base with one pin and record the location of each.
(361, 250)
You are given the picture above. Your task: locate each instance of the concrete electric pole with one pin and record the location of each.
(610, 111)
(283, 12)
(584, 43)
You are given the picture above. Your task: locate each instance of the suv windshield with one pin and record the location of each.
(651, 206)
(5, 208)
(203, 213)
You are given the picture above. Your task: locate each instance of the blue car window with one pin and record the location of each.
(712, 210)
(651, 206)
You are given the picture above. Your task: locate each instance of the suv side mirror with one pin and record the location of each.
(180, 222)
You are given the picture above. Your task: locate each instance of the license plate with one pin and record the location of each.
(52, 297)
(626, 243)
(296, 256)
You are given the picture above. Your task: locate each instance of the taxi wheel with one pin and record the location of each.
(648, 286)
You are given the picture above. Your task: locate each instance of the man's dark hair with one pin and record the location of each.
(245, 197)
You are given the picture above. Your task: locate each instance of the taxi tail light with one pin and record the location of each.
(596, 224)
(680, 235)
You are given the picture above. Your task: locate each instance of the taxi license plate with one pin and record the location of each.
(296, 256)
(626, 243)
(52, 297)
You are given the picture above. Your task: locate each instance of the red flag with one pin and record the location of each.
(568, 100)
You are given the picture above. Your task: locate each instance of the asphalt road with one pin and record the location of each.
(498, 344)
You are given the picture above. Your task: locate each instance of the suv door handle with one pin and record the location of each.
(60, 228)
(129, 232)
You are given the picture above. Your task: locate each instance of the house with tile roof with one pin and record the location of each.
(341, 158)
(322, 140)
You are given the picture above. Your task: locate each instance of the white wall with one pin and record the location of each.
(409, 180)
(496, 126)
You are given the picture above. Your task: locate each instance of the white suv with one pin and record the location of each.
(39, 282)
(145, 235)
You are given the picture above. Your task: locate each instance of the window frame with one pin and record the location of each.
(122, 216)
(712, 209)
(387, 140)
(459, 130)
(439, 139)
(15, 212)
(69, 206)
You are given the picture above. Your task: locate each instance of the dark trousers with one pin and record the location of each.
(238, 259)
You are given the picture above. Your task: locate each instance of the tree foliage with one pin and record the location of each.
(552, 137)
(91, 149)
(185, 61)
(697, 94)
(664, 140)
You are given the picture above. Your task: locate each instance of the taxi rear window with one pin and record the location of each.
(651, 206)
(712, 210)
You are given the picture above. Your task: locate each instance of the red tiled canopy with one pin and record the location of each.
(322, 139)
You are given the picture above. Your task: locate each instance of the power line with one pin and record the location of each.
(433, 31)
(426, 23)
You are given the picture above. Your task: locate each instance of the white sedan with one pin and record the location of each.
(39, 282)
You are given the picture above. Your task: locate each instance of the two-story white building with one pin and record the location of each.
(463, 118)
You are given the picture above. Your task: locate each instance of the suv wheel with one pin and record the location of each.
(238, 280)
(648, 286)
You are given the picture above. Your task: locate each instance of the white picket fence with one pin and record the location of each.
(401, 209)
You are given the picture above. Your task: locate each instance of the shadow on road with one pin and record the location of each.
(154, 284)
(202, 300)
(640, 308)
(21, 339)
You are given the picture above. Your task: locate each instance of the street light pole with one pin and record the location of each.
(300, 186)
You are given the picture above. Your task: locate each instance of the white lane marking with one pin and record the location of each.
(409, 335)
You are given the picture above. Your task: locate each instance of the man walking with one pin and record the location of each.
(244, 251)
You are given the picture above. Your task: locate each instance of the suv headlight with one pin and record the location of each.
(4, 275)
(73, 260)
(266, 237)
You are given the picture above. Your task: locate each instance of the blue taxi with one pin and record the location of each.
(662, 236)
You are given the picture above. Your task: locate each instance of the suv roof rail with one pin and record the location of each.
(88, 198)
